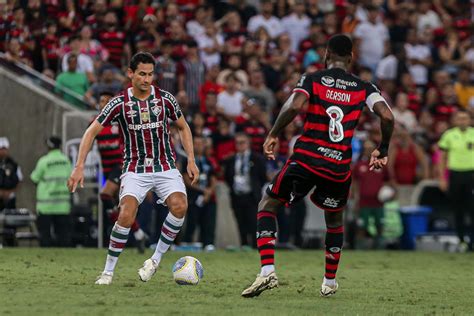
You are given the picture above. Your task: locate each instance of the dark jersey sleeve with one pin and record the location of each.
(304, 85)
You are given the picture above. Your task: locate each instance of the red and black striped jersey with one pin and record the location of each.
(114, 41)
(110, 146)
(336, 99)
(145, 129)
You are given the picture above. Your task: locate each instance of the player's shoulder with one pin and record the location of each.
(117, 99)
(168, 97)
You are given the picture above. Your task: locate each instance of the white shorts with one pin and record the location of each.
(162, 183)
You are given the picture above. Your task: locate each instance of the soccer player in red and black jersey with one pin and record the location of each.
(321, 158)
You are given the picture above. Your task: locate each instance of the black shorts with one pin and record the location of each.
(294, 182)
(114, 175)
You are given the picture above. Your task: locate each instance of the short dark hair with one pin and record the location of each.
(53, 142)
(107, 93)
(340, 45)
(141, 57)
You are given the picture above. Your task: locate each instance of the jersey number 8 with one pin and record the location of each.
(336, 130)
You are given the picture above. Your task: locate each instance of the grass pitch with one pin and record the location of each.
(60, 282)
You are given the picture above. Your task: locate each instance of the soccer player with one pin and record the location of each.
(321, 158)
(143, 111)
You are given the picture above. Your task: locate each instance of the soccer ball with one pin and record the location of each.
(187, 271)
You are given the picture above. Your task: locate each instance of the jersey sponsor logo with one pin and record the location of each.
(343, 84)
(327, 81)
(338, 96)
(132, 113)
(155, 101)
(130, 103)
(330, 153)
(138, 127)
(266, 233)
(335, 249)
(111, 104)
(330, 202)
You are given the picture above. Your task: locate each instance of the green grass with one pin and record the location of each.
(60, 282)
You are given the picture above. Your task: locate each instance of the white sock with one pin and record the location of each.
(139, 234)
(266, 270)
(118, 239)
(330, 282)
(171, 227)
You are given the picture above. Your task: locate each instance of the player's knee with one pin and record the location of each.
(269, 204)
(178, 205)
(128, 210)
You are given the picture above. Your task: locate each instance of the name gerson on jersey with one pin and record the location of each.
(336, 99)
(145, 129)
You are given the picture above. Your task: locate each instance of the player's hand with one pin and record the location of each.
(269, 147)
(443, 184)
(376, 162)
(193, 172)
(77, 177)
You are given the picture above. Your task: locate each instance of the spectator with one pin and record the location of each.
(10, 176)
(259, 91)
(15, 54)
(245, 174)
(273, 70)
(50, 47)
(457, 145)
(96, 19)
(107, 82)
(210, 45)
(234, 32)
(196, 27)
(53, 203)
(450, 52)
(209, 86)
(114, 40)
(211, 117)
(72, 80)
(371, 39)
(234, 65)
(134, 14)
(402, 114)
(448, 104)
(229, 101)
(464, 88)
(254, 123)
(201, 197)
(296, 24)
(179, 39)
(223, 140)
(405, 158)
(350, 21)
(418, 54)
(92, 47)
(166, 68)
(147, 38)
(84, 64)
(427, 18)
(267, 20)
(191, 74)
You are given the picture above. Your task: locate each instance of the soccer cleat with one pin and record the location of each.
(105, 278)
(261, 284)
(328, 290)
(148, 270)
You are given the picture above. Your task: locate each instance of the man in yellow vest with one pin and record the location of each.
(53, 203)
(457, 157)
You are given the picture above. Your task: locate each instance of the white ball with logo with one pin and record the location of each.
(187, 271)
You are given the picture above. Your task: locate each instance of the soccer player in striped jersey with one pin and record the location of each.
(321, 158)
(143, 112)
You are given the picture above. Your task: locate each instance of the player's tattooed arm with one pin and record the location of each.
(386, 126)
(290, 109)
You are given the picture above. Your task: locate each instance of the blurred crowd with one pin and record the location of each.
(232, 64)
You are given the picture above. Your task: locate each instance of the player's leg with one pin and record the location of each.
(170, 188)
(332, 198)
(133, 192)
(290, 185)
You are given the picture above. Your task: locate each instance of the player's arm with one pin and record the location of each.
(290, 109)
(379, 158)
(77, 175)
(187, 141)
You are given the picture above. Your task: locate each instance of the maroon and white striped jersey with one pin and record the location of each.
(145, 129)
(336, 99)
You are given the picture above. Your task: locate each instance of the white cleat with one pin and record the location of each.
(105, 278)
(148, 270)
(328, 290)
(261, 284)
